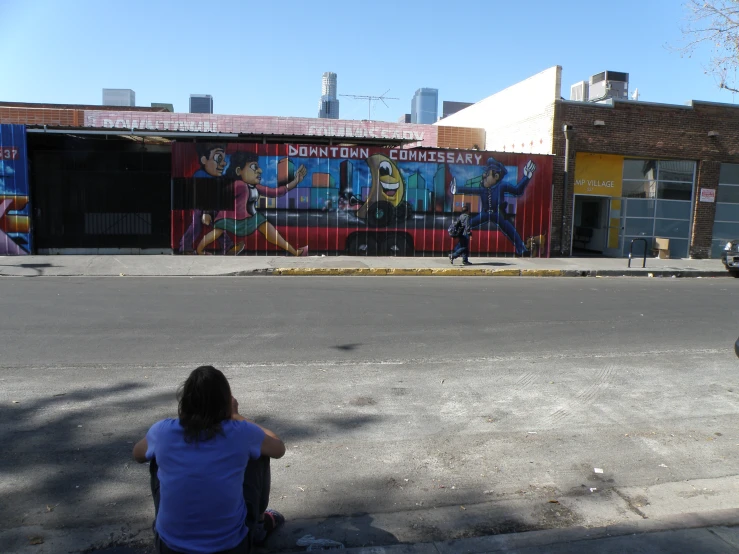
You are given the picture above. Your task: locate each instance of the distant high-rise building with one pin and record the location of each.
(119, 97)
(328, 84)
(405, 118)
(448, 108)
(165, 105)
(425, 106)
(328, 105)
(201, 103)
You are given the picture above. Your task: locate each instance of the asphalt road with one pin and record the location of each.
(399, 398)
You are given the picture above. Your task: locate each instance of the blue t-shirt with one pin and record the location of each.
(201, 505)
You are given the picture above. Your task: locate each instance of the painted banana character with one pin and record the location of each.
(387, 183)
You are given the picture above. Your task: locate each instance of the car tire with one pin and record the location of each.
(361, 244)
(397, 245)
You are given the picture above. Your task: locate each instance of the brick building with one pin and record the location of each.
(702, 133)
(636, 170)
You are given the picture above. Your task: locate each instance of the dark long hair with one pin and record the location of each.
(239, 159)
(204, 403)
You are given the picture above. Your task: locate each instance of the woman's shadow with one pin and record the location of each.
(351, 531)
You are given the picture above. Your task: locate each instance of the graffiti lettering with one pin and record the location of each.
(263, 125)
(328, 152)
(158, 125)
(362, 132)
(435, 157)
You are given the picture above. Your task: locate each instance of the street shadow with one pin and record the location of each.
(370, 517)
(67, 458)
(494, 264)
(347, 347)
(291, 431)
(355, 530)
(35, 267)
(67, 464)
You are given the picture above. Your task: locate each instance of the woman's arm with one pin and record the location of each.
(272, 446)
(139, 451)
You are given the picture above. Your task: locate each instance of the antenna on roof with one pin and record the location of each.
(370, 98)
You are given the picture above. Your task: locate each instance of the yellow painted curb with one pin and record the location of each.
(303, 271)
(424, 271)
(449, 271)
(542, 272)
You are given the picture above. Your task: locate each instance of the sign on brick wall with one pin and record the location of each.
(708, 195)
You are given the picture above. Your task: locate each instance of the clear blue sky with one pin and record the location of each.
(266, 58)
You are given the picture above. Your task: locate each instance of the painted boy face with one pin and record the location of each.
(215, 163)
(489, 178)
(251, 173)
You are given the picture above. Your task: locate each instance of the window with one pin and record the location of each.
(640, 169)
(729, 174)
(666, 179)
(638, 189)
(726, 220)
(728, 194)
(675, 191)
(676, 170)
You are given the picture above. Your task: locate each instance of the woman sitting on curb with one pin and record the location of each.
(210, 476)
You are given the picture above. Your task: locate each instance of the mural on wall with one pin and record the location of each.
(15, 208)
(301, 199)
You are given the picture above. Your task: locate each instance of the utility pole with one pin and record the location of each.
(369, 99)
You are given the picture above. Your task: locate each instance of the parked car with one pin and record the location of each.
(730, 257)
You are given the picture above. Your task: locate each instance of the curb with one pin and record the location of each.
(418, 272)
(485, 272)
(550, 537)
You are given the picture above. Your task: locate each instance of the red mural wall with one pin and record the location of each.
(235, 198)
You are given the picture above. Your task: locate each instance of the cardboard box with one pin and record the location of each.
(663, 254)
(661, 243)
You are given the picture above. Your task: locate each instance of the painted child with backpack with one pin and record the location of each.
(464, 232)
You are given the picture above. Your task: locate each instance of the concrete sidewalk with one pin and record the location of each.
(714, 532)
(204, 266)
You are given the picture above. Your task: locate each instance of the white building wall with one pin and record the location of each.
(517, 119)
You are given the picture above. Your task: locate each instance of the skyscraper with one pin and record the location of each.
(449, 107)
(201, 103)
(425, 106)
(328, 106)
(167, 106)
(119, 97)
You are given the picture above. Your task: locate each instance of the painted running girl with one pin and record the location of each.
(244, 219)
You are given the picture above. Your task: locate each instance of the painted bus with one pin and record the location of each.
(240, 198)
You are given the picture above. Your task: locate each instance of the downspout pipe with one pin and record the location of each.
(569, 132)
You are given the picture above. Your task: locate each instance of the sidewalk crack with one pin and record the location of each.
(630, 504)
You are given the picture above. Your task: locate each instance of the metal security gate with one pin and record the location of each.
(99, 194)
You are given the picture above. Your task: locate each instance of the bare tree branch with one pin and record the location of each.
(714, 23)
